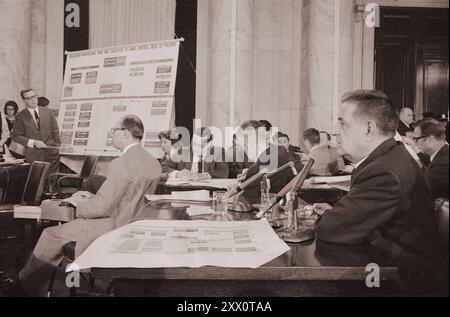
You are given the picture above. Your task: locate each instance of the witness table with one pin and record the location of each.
(12, 182)
(310, 269)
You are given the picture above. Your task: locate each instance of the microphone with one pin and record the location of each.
(279, 170)
(296, 183)
(248, 182)
(304, 173)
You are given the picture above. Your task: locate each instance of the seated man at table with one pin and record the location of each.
(389, 204)
(202, 160)
(130, 177)
(327, 161)
(266, 156)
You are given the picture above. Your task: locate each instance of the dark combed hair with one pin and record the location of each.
(266, 124)
(43, 102)
(251, 124)
(377, 106)
(282, 135)
(24, 91)
(134, 125)
(431, 127)
(312, 135)
(13, 104)
(204, 132)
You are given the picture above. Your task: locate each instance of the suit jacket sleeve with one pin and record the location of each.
(18, 132)
(372, 201)
(109, 195)
(220, 169)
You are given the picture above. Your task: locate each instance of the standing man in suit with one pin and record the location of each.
(130, 176)
(389, 204)
(429, 136)
(203, 160)
(406, 120)
(36, 129)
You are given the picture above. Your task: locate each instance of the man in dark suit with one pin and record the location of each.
(266, 156)
(405, 122)
(202, 160)
(429, 136)
(389, 204)
(36, 129)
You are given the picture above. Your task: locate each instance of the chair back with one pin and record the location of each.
(93, 183)
(89, 165)
(34, 186)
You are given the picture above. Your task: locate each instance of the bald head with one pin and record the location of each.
(407, 115)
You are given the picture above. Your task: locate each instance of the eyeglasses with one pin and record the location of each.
(31, 97)
(117, 129)
(419, 138)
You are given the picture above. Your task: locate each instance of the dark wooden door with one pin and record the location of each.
(411, 55)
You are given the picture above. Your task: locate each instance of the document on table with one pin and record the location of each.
(163, 244)
(208, 183)
(194, 195)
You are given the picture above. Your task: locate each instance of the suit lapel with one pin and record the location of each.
(30, 118)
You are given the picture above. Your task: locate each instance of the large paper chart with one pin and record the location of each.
(162, 243)
(102, 85)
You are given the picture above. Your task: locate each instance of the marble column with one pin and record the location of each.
(38, 45)
(230, 79)
(329, 56)
(15, 28)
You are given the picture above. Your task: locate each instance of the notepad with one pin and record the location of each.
(198, 210)
(195, 195)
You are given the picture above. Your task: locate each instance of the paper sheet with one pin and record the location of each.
(163, 244)
(197, 195)
(209, 183)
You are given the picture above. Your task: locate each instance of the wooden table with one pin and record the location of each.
(310, 269)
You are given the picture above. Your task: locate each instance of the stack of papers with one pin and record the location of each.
(199, 210)
(338, 182)
(27, 212)
(209, 183)
(195, 195)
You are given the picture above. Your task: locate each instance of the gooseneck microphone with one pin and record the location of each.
(294, 185)
(248, 182)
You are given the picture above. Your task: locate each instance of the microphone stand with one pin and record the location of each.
(275, 215)
(240, 202)
(294, 234)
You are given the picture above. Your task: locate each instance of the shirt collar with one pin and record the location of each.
(360, 162)
(405, 123)
(314, 147)
(128, 147)
(32, 111)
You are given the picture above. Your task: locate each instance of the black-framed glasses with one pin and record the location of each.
(31, 97)
(117, 129)
(419, 138)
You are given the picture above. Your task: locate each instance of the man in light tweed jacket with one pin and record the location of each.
(121, 196)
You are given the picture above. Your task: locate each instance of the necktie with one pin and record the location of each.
(36, 116)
